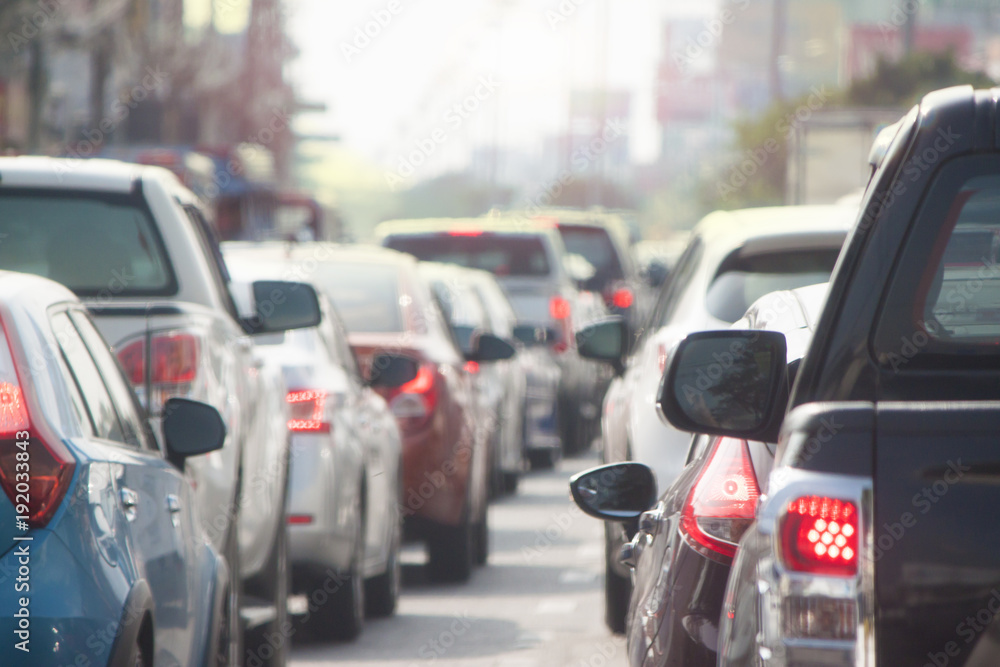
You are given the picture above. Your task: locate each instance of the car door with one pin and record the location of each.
(154, 496)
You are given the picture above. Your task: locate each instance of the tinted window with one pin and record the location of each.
(96, 246)
(944, 304)
(366, 295)
(462, 309)
(742, 280)
(500, 254)
(130, 415)
(673, 288)
(595, 245)
(100, 407)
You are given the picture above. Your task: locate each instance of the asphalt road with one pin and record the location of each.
(539, 600)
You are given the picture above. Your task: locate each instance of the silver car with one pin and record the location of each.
(344, 479)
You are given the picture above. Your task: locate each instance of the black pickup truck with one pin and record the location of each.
(875, 541)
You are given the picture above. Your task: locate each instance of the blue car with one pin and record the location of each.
(104, 559)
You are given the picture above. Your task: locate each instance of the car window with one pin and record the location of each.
(213, 252)
(366, 295)
(337, 337)
(100, 406)
(135, 427)
(742, 280)
(103, 245)
(673, 288)
(462, 309)
(594, 244)
(500, 254)
(945, 296)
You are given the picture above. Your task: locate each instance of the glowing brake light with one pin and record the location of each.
(417, 398)
(559, 308)
(722, 503)
(35, 467)
(307, 411)
(173, 365)
(466, 232)
(622, 298)
(471, 367)
(819, 535)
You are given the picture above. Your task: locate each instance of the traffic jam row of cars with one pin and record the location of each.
(802, 441)
(194, 430)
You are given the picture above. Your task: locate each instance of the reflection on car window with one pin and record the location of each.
(366, 295)
(964, 297)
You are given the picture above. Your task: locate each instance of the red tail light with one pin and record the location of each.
(820, 535)
(300, 519)
(418, 397)
(308, 408)
(559, 308)
(173, 365)
(722, 503)
(622, 298)
(35, 467)
(465, 232)
(471, 367)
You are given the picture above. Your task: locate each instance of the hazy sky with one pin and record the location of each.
(391, 78)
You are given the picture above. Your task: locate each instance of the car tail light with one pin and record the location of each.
(819, 617)
(300, 519)
(418, 397)
(622, 298)
(308, 411)
(173, 366)
(722, 503)
(819, 535)
(471, 367)
(466, 232)
(35, 467)
(559, 308)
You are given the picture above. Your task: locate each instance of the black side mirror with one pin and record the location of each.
(656, 273)
(730, 383)
(191, 428)
(605, 341)
(392, 370)
(615, 492)
(488, 347)
(281, 305)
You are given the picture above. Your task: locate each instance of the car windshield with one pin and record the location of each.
(96, 245)
(594, 244)
(500, 254)
(365, 294)
(742, 280)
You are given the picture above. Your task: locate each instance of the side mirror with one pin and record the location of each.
(281, 305)
(488, 347)
(605, 341)
(730, 383)
(392, 370)
(191, 428)
(615, 492)
(656, 273)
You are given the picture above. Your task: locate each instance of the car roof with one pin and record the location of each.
(32, 293)
(773, 227)
(30, 171)
(290, 253)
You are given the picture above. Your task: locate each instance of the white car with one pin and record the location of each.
(345, 478)
(136, 247)
(732, 259)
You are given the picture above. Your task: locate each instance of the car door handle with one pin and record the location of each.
(130, 500)
(173, 504)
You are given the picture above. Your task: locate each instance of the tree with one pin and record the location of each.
(904, 82)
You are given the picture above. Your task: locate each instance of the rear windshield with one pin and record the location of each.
(462, 309)
(596, 247)
(96, 245)
(500, 254)
(742, 280)
(365, 295)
